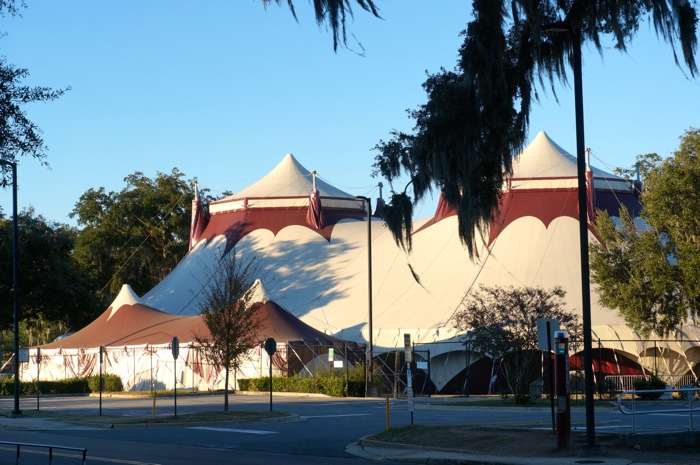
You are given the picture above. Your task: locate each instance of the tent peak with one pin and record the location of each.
(126, 296)
(259, 292)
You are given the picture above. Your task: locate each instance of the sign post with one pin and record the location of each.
(546, 327)
(270, 348)
(102, 349)
(176, 352)
(38, 367)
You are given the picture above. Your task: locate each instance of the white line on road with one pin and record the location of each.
(336, 416)
(233, 430)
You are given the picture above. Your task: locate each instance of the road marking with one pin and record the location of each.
(233, 430)
(336, 416)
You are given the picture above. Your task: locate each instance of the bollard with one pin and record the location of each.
(388, 415)
(153, 411)
(561, 367)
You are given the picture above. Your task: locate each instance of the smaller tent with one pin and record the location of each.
(137, 346)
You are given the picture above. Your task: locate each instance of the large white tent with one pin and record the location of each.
(311, 243)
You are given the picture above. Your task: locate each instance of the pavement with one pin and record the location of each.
(372, 449)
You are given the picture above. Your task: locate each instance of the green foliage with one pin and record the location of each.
(231, 314)
(49, 269)
(650, 273)
(20, 137)
(653, 383)
(335, 12)
(67, 386)
(476, 117)
(502, 324)
(112, 383)
(334, 386)
(135, 236)
(644, 165)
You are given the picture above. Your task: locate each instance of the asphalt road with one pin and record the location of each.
(318, 433)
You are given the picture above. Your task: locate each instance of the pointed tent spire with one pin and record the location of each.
(590, 189)
(314, 215)
(126, 296)
(199, 218)
(379, 209)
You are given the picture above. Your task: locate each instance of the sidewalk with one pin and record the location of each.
(374, 450)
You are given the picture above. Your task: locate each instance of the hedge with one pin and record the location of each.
(331, 386)
(112, 383)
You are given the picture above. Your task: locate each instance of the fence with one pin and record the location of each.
(19, 445)
(675, 407)
(152, 367)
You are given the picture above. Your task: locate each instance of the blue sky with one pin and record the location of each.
(222, 90)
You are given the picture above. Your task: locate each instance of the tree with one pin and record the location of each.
(335, 12)
(476, 117)
(644, 165)
(651, 273)
(135, 236)
(54, 294)
(18, 135)
(231, 315)
(502, 323)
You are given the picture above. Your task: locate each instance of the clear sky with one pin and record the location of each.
(223, 89)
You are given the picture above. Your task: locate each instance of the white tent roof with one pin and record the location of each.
(126, 296)
(287, 185)
(545, 165)
(322, 278)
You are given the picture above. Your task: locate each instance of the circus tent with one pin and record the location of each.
(137, 345)
(310, 241)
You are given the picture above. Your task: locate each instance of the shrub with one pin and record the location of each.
(110, 383)
(654, 382)
(330, 385)
(66, 386)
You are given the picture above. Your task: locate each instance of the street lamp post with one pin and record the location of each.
(15, 281)
(368, 202)
(583, 226)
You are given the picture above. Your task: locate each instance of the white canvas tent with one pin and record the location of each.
(311, 241)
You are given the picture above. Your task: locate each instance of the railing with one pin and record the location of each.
(620, 383)
(50, 447)
(681, 406)
(679, 381)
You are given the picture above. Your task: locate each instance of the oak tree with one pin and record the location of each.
(135, 236)
(649, 269)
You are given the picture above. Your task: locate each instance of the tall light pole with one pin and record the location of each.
(15, 280)
(368, 202)
(561, 27)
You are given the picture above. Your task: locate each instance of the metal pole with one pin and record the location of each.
(38, 370)
(368, 201)
(101, 383)
(583, 230)
(369, 284)
(15, 281)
